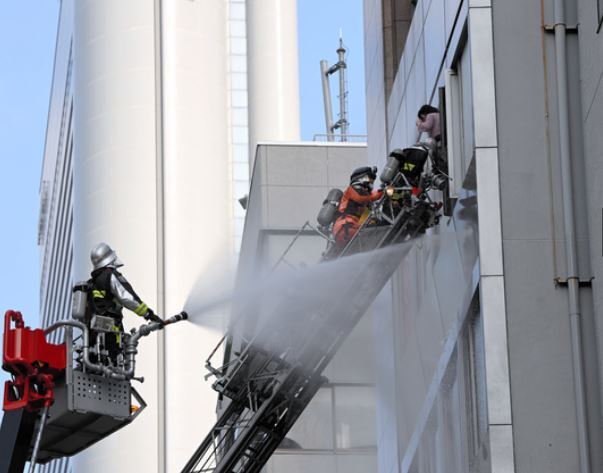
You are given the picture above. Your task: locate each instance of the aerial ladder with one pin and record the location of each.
(268, 376)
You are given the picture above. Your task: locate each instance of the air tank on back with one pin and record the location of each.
(80, 300)
(392, 166)
(415, 158)
(329, 208)
(411, 161)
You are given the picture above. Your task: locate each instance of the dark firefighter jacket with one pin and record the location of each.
(111, 292)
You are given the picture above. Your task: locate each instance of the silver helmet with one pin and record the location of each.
(102, 255)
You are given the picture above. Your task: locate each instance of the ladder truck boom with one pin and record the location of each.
(265, 390)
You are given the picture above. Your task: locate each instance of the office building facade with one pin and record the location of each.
(489, 331)
(147, 149)
(488, 336)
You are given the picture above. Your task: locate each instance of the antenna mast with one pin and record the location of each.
(326, 71)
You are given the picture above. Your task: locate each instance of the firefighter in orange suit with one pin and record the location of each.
(354, 204)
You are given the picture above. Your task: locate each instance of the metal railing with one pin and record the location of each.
(337, 138)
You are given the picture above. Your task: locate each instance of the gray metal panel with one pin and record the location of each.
(591, 68)
(100, 395)
(71, 429)
(540, 361)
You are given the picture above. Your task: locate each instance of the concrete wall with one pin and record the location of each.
(542, 374)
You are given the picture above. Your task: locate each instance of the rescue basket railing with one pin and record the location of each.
(127, 371)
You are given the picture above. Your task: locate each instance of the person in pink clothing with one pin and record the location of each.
(428, 121)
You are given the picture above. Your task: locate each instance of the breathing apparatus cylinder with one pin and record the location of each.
(79, 302)
(329, 208)
(440, 182)
(391, 167)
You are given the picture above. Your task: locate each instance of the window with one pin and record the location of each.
(340, 419)
(355, 417)
(459, 120)
(473, 395)
(443, 150)
(314, 429)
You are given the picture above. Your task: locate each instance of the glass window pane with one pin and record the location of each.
(236, 11)
(305, 251)
(355, 417)
(238, 63)
(240, 153)
(239, 98)
(314, 428)
(238, 81)
(238, 46)
(355, 360)
(467, 107)
(237, 28)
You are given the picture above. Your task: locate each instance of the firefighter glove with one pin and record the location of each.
(152, 317)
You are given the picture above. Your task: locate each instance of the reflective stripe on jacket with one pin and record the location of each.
(111, 292)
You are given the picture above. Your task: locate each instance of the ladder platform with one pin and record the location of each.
(269, 380)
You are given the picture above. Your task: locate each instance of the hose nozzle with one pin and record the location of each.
(176, 318)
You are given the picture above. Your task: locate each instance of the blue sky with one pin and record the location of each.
(27, 43)
(319, 25)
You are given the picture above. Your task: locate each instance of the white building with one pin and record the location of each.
(481, 363)
(147, 149)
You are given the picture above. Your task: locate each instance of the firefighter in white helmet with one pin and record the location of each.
(111, 292)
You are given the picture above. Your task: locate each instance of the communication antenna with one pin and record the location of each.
(326, 72)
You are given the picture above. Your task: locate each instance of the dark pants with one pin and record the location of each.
(113, 343)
